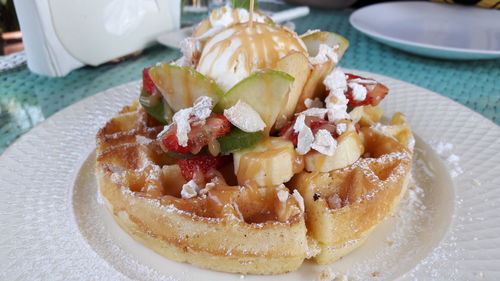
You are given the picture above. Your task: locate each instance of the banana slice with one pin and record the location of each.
(271, 162)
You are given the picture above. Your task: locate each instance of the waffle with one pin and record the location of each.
(343, 206)
(249, 229)
(229, 228)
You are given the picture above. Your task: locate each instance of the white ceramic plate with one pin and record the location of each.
(54, 228)
(433, 29)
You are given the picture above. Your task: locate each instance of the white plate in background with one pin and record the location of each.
(53, 227)
(432, 29)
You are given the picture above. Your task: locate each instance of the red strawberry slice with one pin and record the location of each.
(315, 123)
(170, 142)
(147, 83)
(215, 126)
(200, 165)
(288, 133)
(375, 93)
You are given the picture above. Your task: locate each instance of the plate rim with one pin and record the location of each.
(374, 34)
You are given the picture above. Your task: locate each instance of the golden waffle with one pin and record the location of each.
(247, 229)
(230, 228)
(344, 205)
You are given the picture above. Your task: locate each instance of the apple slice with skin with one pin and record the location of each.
(181, 86)
(298, 66)
(314, 86)
(313, 40)
(265, 91)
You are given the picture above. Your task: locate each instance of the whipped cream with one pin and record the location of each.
(244, 117)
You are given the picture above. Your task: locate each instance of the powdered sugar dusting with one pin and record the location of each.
(401, 238)
(445, 151)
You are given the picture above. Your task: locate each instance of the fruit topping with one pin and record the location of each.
(298, 66)
(181, 86)
(323, 45)
(156, 106)
(271, 162)
(199, 135)
(265, 91)
(315, 124)
(237, 140)
(362, 91)
(200, 166)
(147, 84)
(244, 117)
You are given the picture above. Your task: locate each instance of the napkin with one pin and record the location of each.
(45, 53)
(60, 35)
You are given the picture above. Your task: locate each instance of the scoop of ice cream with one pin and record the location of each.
(224, 17)
(235, 52)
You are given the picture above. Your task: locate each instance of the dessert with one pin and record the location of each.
(252, 152)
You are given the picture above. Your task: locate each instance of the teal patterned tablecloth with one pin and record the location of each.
(26, 99)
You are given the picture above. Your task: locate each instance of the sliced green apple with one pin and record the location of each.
(265, 91)
(314, 86)
(297, 65)
(181, 86)
(313, 40)
(157, 107)
(237, 140)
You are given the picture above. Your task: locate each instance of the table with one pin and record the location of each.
(26, 99)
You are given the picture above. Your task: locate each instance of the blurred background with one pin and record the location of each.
(11, 38)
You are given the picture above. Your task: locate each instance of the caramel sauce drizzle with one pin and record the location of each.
(254, 46)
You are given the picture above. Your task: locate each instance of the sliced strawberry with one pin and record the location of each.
(191, 167)
(170, 142)
(288, 133)
(215, 126)
(315, 123)
(375, 92)
(147, 83)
